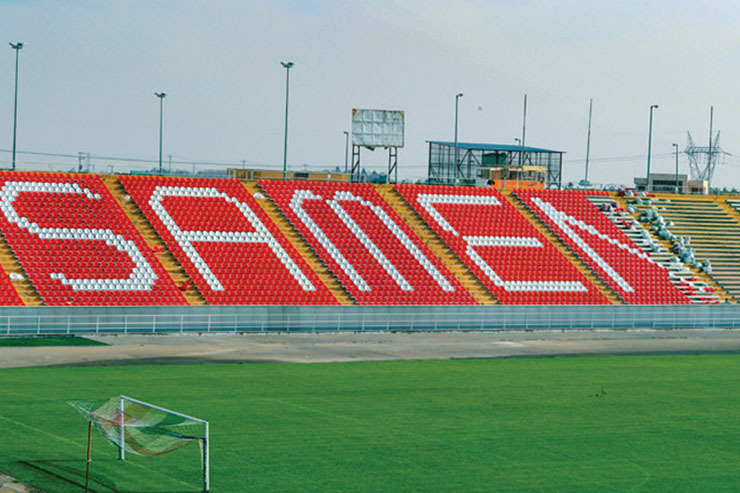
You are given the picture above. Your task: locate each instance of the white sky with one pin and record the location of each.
(89, 70)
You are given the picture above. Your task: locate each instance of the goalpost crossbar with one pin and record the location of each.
(205, 440)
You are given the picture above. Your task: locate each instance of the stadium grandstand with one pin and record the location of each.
(105, 240)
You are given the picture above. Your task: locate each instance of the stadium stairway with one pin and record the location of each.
(152, 239)
(574, 259)
(303, 248)
(732, 206)
(714, 233)
(436, 245)
(692, 282)
(18, 277)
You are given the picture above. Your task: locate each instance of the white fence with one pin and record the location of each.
(154, 320)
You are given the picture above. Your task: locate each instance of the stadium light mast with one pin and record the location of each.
(650, 145)
(457, 99)
(588, 138)
(675, 146)
(346, 149)
(17, 47)
(161, 96)
(524, 131)
(287, 66)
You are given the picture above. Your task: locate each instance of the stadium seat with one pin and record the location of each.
(371, 251)
(501, 247)
(76, 244)
(225, 242)
(78, 247)
(8, 294)
(605, 248)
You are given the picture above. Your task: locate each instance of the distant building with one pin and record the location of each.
(666, 183)
(494, 164)
(262, 174)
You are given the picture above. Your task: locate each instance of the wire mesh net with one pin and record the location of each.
(145, 431)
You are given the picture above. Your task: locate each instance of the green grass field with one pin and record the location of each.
(48, 341)
(665, 423)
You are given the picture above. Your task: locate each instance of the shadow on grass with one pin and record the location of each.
(57, 475)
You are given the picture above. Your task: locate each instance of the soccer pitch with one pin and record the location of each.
(641, 423)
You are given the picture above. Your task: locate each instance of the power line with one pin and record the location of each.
(136, 160)
(51, 154)
(183, 162)
(635, 157)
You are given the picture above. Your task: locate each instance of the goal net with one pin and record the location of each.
(145, 429)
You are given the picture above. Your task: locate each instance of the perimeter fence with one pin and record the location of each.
(156, 320)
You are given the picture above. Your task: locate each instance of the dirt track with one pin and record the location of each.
(375, 346)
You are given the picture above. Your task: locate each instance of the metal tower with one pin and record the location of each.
(703, 159)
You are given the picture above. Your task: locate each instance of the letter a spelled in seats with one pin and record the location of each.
(226, 243)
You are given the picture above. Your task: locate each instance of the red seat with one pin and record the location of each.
(375, 255)
(76, 244)
(603, 246)
(226, 243)
(500, 246)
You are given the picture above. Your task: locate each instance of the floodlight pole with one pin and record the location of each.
(588, 138)
(650, 145)
(711, 122)
(287, 66)
(161, 96)
(457, 99)
(346, 149)
(675, 146)
(524, 131)
(17, 47)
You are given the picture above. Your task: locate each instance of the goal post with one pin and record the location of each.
(204, 440)
(146, 429)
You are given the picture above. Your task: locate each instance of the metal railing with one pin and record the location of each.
(157, 320)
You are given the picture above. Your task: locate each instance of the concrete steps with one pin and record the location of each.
(146, 230)
(301, 245)
(731, 207)
(574, 259)
(448, 258)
